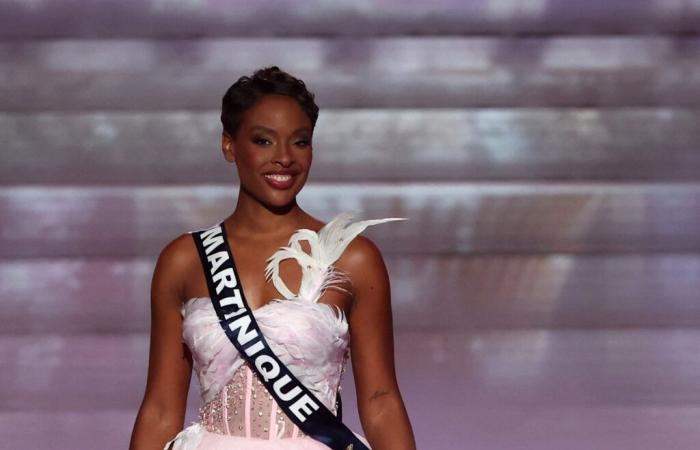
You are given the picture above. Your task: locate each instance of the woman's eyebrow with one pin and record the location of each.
(270, 130)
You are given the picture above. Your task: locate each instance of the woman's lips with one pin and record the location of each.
(279, 181)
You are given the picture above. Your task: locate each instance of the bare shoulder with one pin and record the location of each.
(361, 252)
(174, 263)
(179, 254)
(363, 261)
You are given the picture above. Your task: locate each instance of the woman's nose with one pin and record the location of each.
(283, 154)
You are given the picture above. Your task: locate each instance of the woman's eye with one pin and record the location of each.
(260, 141)
(304, 143)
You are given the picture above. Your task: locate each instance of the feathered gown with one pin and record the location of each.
(310, 337)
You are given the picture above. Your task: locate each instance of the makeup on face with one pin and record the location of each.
(280, 178)
(275, 145)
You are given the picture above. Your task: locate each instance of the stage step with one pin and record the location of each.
(445, 218)
(153, 18)
(623, 387)
(136, 148)
(81, 295)
(384, 72)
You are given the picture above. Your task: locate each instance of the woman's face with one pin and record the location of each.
(272, 149)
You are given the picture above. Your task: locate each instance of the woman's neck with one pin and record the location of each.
(252, 218)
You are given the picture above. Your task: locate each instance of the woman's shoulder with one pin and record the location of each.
(361, 255)
(363, 263)
(179, 251)
(176, 260)
(362, 258)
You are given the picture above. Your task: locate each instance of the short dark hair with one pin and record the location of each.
(269, 80)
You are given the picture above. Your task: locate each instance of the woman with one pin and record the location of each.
(268, 122)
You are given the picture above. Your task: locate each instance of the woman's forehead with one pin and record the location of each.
(277, 114)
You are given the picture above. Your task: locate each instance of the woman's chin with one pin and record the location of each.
(273, 197)
(281, 199)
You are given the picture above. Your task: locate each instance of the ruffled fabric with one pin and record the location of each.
(202, 439)
(195, 437)
(310, 339)
(187, 439)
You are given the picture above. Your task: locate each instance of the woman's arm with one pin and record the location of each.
(382, 412)
(162, 412)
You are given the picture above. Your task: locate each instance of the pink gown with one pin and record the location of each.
(310, 337)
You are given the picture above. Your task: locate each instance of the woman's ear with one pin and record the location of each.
(227, 147)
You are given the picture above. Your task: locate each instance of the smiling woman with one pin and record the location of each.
(268, 332)
(268, 123)
(277, 153)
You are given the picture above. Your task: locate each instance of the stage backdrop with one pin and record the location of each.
(546, 153)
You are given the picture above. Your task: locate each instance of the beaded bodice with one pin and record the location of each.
(308, 337)
(245, 408)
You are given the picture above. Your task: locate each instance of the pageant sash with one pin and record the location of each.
(240, 326)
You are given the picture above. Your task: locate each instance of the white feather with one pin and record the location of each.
(187, 439)
(318, 272)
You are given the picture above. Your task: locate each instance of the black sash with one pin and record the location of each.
(239, 324)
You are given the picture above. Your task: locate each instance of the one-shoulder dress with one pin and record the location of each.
(310, 337)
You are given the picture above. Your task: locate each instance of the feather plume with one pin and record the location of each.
(187, 439)
(318, 272)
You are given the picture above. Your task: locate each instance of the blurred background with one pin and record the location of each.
(546, 152)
